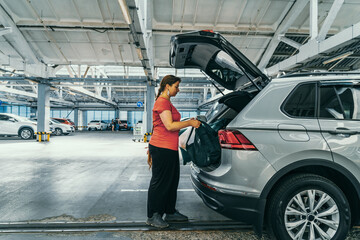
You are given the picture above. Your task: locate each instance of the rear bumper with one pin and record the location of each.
(244, 209)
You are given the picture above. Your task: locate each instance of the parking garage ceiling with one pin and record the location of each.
(103, 53)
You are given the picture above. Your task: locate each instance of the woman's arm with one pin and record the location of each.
(170, 125)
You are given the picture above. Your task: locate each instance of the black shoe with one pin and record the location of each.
(157, 221)
(176, 217)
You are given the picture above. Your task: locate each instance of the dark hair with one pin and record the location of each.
(168, 79)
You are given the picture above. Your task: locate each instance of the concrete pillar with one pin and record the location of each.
(198, 112)
(80, 118)
(76, 117)
(149, 104)
(123, 115)
(84, 122)
(43, 106)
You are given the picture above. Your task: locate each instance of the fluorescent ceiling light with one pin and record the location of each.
(125, 11)
(342, 56)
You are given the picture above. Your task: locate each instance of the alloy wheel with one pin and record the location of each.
(312, 214)
(25, 134)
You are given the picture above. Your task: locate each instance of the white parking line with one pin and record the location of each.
(145, 190)
(136, 174)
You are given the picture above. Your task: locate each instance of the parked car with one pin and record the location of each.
(289, 147)
(58, 128)
(14, 125)
(124, 125)
(108, 124)
(97, 125)
(65, 121)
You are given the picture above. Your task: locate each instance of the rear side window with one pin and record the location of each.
(340, 102)
(301, 101)
(4, 118)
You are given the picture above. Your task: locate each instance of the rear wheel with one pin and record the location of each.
(26, 133)
(58, 131)
(308, 206)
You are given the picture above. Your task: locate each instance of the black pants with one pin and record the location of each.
(164, 181)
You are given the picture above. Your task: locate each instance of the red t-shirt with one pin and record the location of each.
(161, 137)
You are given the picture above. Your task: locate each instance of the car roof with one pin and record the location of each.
(317, 77)
(11, 114)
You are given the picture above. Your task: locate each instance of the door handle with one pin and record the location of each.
(343, 131)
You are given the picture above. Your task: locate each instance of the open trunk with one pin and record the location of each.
(194, 148)
(226, 65)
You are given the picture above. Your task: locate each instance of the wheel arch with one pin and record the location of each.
(22, 127)
(336, 173)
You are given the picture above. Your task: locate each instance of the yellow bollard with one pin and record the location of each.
(39, 137)
(48, 137)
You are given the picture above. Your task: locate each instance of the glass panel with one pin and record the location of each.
(224, 68)
(301, 102)
(340, 102)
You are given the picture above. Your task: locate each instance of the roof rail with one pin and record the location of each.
(318, 74)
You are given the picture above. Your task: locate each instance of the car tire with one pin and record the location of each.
(26, 133)
(310, 205)
(58, 132)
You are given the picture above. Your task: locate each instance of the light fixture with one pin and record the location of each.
(342, 56)
(125, 11)
(138, 51)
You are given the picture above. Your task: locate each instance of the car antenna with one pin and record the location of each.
(209, 78)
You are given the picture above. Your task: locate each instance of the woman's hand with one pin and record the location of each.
(195, 123)
(149, 160)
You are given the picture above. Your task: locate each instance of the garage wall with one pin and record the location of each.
(23, 111)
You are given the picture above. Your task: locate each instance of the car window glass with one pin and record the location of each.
(216, 107)
(223, 67)
(4, 118)
(301, 102)
(340, 102)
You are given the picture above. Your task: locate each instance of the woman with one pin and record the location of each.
(163, 149)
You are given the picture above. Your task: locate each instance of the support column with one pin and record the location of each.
(84, 118)
(76, 117)
(149, 104)
(117, 113)
(43, 106)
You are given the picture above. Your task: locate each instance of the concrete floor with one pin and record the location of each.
(91, 176)
(101, 175)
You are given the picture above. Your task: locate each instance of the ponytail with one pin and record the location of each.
(168, 79)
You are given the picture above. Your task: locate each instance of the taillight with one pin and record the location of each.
(98, 124)
(234, 140)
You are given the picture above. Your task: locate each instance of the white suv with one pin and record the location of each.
(14, 125)
(97, 125)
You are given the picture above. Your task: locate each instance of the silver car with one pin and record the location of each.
(290, 147)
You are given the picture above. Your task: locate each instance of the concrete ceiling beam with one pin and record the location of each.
(285, 24)
(335, 8)
(313, 49)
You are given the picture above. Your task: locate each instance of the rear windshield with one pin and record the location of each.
(223, 69)
(95, 121)
(215, 109)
